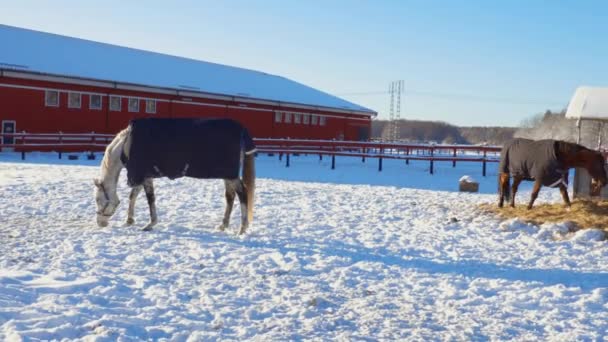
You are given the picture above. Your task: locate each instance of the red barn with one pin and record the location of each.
(51, 83)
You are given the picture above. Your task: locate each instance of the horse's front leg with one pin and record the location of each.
(149, 190)
(535, 191)
(230, 194)
(564, 191)
(516, 181)
(241, 191)
(132, 197)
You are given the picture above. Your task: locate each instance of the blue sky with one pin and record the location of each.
(464, 62)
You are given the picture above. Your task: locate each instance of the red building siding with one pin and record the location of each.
(23, 100)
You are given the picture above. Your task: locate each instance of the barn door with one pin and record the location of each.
(8, 126)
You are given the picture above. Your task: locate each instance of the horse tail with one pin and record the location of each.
(503, 169)
(249, 181)
(248, 147)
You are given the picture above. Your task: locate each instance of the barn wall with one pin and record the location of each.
(24, 101)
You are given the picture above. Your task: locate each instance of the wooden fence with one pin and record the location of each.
(284, 148)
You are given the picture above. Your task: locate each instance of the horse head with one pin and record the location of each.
(596, 167)
(106, 203)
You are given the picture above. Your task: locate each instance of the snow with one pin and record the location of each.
(348, 254)
(67, 56)
(589, 103)
(467, 179)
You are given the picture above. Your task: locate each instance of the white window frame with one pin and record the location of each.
(314, 119)
(288, 117)
(2, 129)
(70, 95)
(91, 102)
(151, 110)
(297, 118)
(278, 117)
(306, 119)
(112, 108)
(46, 98)
(135, 110)
(322, 121)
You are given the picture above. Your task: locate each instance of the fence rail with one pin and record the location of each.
(285, 148)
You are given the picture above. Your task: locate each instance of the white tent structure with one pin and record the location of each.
(588, 104)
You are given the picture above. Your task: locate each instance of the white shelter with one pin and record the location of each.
(588, 104)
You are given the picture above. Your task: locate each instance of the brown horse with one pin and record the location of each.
(546, 162)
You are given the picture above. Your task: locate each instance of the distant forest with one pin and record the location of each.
(441, 132)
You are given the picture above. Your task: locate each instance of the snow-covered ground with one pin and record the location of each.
(348, 254)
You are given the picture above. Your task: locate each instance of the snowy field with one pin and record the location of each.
(348, 254)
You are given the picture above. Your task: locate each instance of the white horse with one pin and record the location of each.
(112, 164)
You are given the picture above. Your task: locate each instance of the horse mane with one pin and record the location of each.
(118, 139)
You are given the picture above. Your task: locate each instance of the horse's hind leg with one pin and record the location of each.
(535, 191)
(516, 181)
(149, 189)
(241, 191)
(132, 197)
(564, 191)
(503, 188)
(230, 185)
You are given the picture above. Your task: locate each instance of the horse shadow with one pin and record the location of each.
(410, 259)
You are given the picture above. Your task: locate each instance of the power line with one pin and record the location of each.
(459, 97)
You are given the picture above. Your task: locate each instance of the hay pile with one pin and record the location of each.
(584, 213)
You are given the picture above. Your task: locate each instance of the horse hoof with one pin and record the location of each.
(243, 230)
(149, 227)
(221, 227)
(130, 221)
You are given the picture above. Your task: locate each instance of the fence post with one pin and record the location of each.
(454, 161)
(407, 153)
(23, 142)
(286, 159)
(60, 143)
(333, 161)
(363, 157)
(483, 171)
(380, 164)
(431, 168)
(320, 156)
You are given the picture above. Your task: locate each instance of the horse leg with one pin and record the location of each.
(564, 191)
(535, 190)
(149, 190)
(516, 181)
(503, 188)
(230, 194)
(132, 197)
(241, 191)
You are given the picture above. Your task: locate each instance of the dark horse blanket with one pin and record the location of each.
(176, 148)
(534, 160)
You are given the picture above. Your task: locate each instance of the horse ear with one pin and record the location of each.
(97, 182)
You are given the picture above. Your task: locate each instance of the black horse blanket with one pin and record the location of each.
(173, 148)
(534, 160)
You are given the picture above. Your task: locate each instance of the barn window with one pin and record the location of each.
(94, 101)
(115, 103)
(322, 120)
(314, 120)
(51, 98)
(74, 100)
(305, 119)
(150, 106)
(278, 116)
(297, 118)
(133, 104)
(287, 117)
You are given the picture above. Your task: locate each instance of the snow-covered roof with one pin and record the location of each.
(40, 52)
(589, 103)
